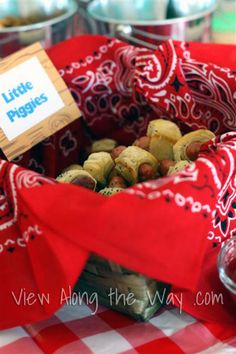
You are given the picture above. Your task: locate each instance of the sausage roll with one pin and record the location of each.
(99, 165)
(106, 145)
(73, 167)
(197, 136)
(163, 135)
(110, 191)
(179, 166)
(129, 161)
(78, 177)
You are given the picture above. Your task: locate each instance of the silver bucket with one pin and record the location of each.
(150, 22)
(47, 32)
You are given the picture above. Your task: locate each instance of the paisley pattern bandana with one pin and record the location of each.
(170, 229)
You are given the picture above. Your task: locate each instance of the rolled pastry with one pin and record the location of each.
(78, 177)
(106, 145)
(163, 135)
(179, 166)
(200, 135)
(128, 162)
(110, 191)
(99, 165)
(73, 167)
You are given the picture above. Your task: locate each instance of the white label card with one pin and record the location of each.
(27, 97)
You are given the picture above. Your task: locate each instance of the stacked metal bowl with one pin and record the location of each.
(149, 22)
(23, 22)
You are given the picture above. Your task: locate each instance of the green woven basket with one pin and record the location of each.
(121, 289)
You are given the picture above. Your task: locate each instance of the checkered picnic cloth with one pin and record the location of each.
(73, 329)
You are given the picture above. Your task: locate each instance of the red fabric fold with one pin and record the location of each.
(170, 229)
(186, 89)
(158, 228)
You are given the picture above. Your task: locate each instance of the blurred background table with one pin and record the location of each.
(224, 23)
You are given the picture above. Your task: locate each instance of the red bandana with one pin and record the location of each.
(170, 229)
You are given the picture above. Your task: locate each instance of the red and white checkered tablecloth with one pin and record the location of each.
(74, 330)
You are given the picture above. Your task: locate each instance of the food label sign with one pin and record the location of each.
(34, 100)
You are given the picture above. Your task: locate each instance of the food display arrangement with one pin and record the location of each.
(128, 196)
(110, 169)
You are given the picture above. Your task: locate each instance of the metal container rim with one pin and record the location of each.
(170, 21)
(73, 8)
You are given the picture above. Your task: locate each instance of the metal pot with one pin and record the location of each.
(48, 32)
(149, 22)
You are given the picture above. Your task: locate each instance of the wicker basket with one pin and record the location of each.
(121, 289)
